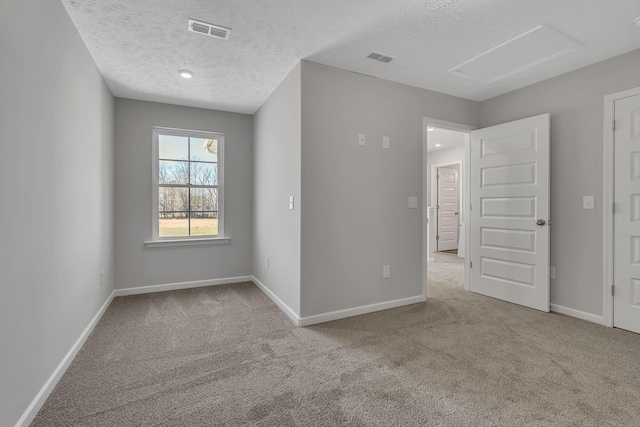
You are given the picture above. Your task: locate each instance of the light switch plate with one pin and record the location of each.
(361, 139)
(588, 202)
(413, 202)
(385, 142)
(386, 271)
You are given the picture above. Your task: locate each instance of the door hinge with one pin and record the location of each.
(437, 176)
(613, 125)
(470, 207)
(612, 290)
(470, 264)
(437, 237)
(613, 208)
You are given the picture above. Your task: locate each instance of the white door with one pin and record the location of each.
(510, 212)
(626, 264)
(448, 186)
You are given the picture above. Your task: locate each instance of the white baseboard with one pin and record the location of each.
(48, 387)
(284, 307)
(181, 285)
(577, 313)
(46, 390)
(356, 311)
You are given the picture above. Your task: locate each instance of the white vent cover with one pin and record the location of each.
(380, 57)
(531, 48)
(209, 29)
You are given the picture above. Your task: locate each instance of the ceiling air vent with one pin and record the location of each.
(380, 57)
(209, 29)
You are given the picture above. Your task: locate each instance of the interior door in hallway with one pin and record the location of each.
(626, 264)
(510, 212)
(448, 206)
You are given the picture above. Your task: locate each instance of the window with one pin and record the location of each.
(188, 184)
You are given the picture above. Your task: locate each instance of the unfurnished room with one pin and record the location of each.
(319, 213)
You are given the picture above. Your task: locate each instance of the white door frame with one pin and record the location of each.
(426, 122)
(607, 201)
(461, 176)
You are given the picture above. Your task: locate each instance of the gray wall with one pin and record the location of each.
(137, 265)
(575, 102)
(56, 182)
(277, 145)
(355, 217)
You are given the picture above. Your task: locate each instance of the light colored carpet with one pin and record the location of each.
(226, 355)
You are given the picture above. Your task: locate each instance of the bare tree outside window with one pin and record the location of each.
(188, 185)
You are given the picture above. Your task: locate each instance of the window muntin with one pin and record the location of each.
(187, 184)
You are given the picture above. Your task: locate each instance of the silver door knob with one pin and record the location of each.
(540, 222)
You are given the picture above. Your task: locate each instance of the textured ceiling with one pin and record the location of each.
(139, 45)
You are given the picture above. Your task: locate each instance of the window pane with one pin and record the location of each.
(173, 147)
(204, 200)
(205, 150)
(173, 224)
(172, 199)
(204, 223)
(204, 173)
(173, 172)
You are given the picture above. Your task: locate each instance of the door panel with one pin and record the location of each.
(626, 264)
(509, 193)
(447, 209)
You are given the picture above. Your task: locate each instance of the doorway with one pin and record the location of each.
(445, 199)
(507, 173)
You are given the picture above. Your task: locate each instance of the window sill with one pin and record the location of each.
(187, 242)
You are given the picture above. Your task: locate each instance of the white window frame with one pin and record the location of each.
(186, 240)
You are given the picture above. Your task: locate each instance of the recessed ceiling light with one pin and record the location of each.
(186, 74)
(637, 21)
(438, 145)
(430, 129)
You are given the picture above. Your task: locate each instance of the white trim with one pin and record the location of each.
(284, 307)
(180, 285)
(448, 125)
(425, 211)
(608, 200)
(468, 248)
(187, 242)
(356, 311)
(577, 313)
(48, 387)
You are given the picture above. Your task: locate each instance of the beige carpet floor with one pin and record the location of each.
(227, 356)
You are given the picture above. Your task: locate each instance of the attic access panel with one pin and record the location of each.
(534, 47)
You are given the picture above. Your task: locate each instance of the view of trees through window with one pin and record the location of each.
(187, 186)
